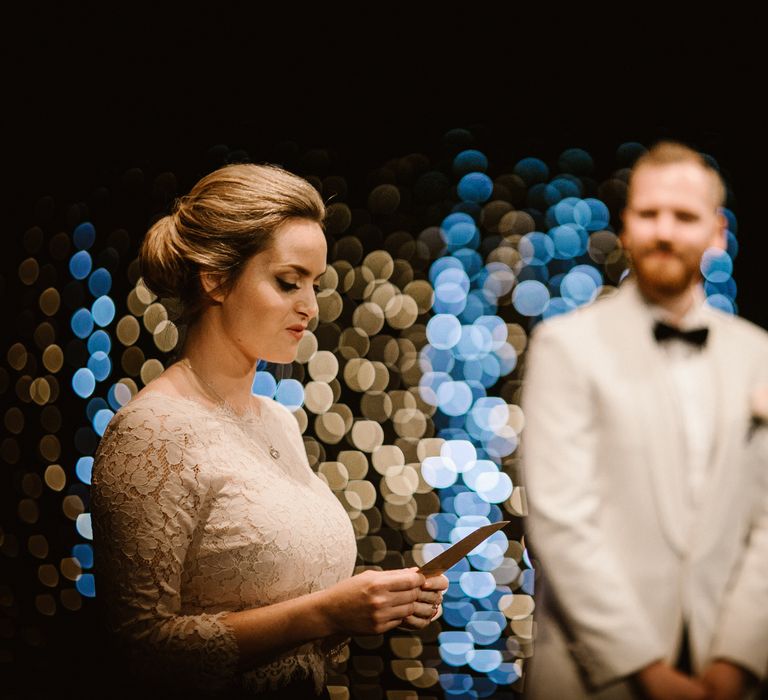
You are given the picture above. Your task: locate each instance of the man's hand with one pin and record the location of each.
(659, 681)
(726, 681)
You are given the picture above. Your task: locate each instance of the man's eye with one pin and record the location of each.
(287, 286)
(316, 287)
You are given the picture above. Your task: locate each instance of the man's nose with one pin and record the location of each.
(665, 226)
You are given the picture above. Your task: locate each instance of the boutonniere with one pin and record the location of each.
(759, 410)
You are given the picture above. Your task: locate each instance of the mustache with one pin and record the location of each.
(660, 247)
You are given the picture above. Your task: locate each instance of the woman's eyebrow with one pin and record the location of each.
(301, 269)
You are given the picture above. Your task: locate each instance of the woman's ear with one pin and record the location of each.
(212, 285)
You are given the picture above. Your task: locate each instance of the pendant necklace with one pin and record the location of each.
(273, 452)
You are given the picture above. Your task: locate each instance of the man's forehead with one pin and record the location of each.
(685, 180)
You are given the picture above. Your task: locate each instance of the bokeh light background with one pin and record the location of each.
(406, 387)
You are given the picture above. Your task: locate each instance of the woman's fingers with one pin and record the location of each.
(405, 579)
(421, 616)
(429, 596)
(436, 583)
(425, 610)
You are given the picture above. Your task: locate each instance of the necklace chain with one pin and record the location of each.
(273, 452)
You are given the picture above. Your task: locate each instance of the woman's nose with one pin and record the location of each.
(307, 304)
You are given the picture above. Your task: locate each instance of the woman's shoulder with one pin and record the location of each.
(156, 412)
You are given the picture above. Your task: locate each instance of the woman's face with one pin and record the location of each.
(266, 311)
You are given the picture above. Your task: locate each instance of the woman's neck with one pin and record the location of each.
(221, 369)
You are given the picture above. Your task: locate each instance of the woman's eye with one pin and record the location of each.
(287, 286)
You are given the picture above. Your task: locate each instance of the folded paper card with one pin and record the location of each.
(445, 560)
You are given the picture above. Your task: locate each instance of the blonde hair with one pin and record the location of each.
(228, 216)
(671, 152)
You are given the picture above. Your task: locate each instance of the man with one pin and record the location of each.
(646, 513)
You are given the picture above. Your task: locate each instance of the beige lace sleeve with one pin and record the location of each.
(149, 497)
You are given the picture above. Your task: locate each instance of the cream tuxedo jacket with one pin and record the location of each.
(622, 559)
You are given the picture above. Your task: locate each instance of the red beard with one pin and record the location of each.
(662, 272)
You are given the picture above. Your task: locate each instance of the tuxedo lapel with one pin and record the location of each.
(727, 395)
(658, 415)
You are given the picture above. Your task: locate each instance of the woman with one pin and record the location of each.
(224, 563)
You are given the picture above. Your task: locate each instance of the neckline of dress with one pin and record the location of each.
(222, 409)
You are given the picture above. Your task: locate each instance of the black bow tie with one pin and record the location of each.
(695, 336)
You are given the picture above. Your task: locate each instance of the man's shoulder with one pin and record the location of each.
(740, 329)
(580, 319)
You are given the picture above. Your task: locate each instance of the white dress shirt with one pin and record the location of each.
(691, 378)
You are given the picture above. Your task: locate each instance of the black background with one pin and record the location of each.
(92, 91)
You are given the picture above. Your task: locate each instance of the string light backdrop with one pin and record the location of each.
(406, 386)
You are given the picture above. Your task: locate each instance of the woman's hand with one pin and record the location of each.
(375, 601)
(428, 603)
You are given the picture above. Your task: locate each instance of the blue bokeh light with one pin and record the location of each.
(462, 453)
(477, 584)
(103, 310)
(558, 306)
(84, 554)
(568, 185)
(81, 323)
(100, 282)
(83, 382)
(83, 469)
(530, 298)
(440, 525)
(83, 526)
(469, 161)
(100, 365)
(600, 216)
(86, 585)
(430, 383)
(94, 406)
(536, 248)
(443, 331)
(721, 302)
(84, 235)
(458, 230)
(99, 341)
(455, 647)
(264, 384)
(486, 626)
(454, 398)
(118, 395)
(716, 265)
(80, 265)
(432, 359)
(290, 393)
(475, 187)
(570, 241)
(101, 420)
(439, 472)
(532, 170)
(578, 288)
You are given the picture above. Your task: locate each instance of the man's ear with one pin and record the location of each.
(623, 231)
(721, 234)
(212, 285)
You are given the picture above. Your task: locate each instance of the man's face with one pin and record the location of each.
(671, 218)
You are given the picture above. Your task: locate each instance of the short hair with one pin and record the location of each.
(228, 216)
(671, 152)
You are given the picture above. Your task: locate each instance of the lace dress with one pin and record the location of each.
(192, 519)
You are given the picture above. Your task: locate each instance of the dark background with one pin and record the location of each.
(91, 92)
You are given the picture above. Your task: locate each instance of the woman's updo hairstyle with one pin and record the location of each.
(228, 216)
